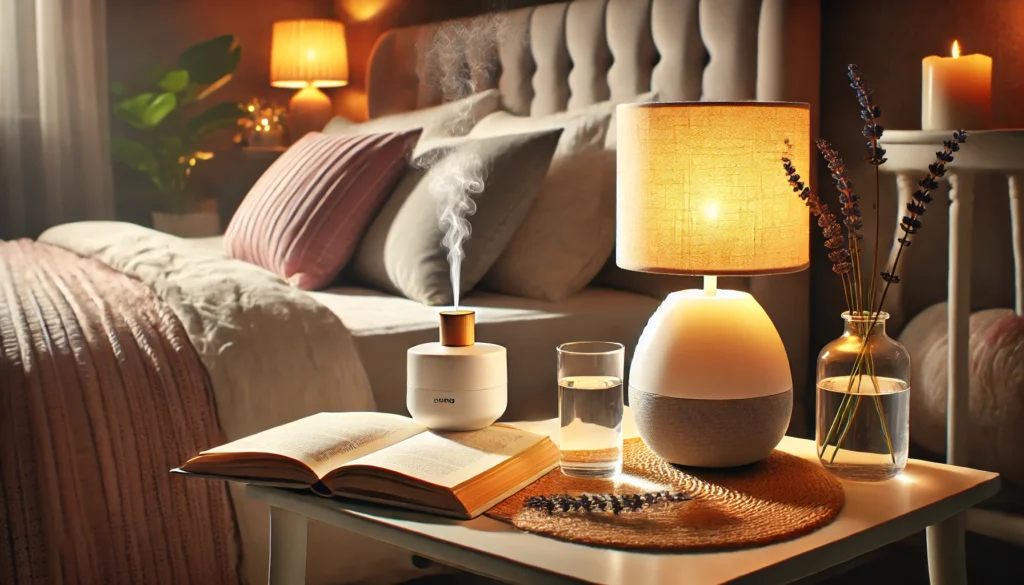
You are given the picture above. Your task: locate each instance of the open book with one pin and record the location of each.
(386, 458)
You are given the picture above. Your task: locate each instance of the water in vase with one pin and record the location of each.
(852, 440)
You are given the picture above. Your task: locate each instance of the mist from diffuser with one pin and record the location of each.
(700, 192)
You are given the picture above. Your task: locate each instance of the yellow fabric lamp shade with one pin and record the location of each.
(701, 188)
(307, 55)
(308, 52)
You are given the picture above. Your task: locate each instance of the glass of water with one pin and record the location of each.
(590, 407)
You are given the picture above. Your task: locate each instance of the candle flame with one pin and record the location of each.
(956, 49)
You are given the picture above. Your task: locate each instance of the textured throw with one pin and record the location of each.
(101, 394)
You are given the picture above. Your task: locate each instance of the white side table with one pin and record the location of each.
(875, 514)
(986, 151)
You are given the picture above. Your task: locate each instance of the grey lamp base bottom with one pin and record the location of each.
(711, 433)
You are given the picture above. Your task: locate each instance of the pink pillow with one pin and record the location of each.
(303, 218)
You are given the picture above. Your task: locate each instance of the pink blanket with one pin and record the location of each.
(101, 393)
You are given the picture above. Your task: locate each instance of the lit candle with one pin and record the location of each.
(956, 92)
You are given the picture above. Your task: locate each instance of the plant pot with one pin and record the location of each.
(199, 224)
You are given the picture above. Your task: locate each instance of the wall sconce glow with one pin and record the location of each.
(362, 10)
(955, 50)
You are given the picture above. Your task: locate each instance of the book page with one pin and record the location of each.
(327, 440)
(450, 458)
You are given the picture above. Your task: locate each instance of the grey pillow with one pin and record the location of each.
(402, 252)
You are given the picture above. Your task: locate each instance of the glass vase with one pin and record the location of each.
(863, 380)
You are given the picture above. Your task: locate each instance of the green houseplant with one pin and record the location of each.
(169, 120)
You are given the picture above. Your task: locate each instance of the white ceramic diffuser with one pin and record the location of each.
(456, 384)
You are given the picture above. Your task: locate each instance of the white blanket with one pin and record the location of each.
(274, 354)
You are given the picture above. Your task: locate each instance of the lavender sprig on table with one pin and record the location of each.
(613, 503)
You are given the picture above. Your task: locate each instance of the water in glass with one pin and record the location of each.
(590, 414)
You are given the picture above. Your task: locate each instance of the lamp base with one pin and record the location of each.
(308, 111)
(711, 433)
(709, 385)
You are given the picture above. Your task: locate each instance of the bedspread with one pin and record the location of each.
(100, 394)
(273, 354)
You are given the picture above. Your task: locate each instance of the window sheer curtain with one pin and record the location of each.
(54, 131)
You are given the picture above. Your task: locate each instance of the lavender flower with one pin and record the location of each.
(830, 228)
(602, 502)
(847, 197)
(911, 223)
(870, 113)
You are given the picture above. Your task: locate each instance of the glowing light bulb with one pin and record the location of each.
(252, 108)
(311, 54)
(711, 210)
(265, 122)
(956, 49)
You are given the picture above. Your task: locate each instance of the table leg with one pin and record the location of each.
(906, 184)
(287, 548)
(946, 559)
(1016, 217)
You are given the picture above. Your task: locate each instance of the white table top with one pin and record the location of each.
(985, 150)
(875, 514)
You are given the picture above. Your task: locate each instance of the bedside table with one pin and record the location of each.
(875, 514)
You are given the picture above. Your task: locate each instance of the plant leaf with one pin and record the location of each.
(210, 60)
(134, 154)
(174, 81)
(218, 117)
(133, 109)
(158, 109)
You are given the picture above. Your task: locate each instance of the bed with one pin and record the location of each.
(270, 353)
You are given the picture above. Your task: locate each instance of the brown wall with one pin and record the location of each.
(888, 39)
(141, 31)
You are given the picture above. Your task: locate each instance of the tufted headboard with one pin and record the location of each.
(567, 55)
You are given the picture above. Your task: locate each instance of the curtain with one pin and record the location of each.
(54, 131)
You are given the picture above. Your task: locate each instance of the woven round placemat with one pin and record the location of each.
(779, 498)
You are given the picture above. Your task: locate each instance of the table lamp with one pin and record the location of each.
(701, 191)
(308, 55)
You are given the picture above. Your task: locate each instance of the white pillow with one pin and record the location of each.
(438, 122)
(569, 231)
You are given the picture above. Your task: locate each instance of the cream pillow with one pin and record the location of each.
(401, 252)
(450, 119)
(569, 231)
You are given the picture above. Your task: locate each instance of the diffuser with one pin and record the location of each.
(701, 191)
(457, 384)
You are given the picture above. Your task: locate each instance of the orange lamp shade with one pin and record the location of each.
(309, 52)
(701, 189)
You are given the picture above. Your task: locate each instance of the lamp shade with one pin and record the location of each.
(308, 53)
(701, 189)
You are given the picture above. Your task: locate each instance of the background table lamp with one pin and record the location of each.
(308, 55)
(701, 190)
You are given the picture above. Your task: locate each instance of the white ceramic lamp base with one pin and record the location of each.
(709, 384)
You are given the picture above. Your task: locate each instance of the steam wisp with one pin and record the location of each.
(460, 174)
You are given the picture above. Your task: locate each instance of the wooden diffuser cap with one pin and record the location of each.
(458, 328)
